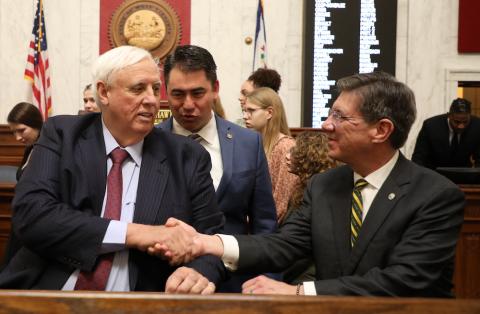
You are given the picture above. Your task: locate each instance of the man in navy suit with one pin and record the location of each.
(449, 140)
(379, 225)
(60, 204)
(239, 167)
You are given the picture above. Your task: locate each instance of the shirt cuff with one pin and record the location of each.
(115, 237)
(309, 288)
(231, 251)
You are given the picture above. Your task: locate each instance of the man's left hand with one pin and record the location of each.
(188, 280)
(265, 285)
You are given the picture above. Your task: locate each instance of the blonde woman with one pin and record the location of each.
(263, 111)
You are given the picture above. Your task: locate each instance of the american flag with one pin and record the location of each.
(260, 47)
(37, 69)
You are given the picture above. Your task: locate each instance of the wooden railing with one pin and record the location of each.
(102, 302)
(296, 131)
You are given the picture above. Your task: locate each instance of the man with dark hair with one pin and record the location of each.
(239, 167)
(260, 78)
(449, 140)
(82, 229)
(379, 225)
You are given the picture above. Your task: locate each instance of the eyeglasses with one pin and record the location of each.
(249, 111)
(339, 117)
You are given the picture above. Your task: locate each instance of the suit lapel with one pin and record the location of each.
(166, 125)
(153, 178)
(92, 150)
(444, 132)
(152, 181)
(226, 138)
(340, 202)
(385, 200)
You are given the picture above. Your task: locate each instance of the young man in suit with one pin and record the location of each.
(378, 226)
(239, 166)
(84, 230)
(449, 140)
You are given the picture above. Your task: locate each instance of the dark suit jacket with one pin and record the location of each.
(59, 199)
(14, 244)
(406, 246)
(245, 190)
(432, 148)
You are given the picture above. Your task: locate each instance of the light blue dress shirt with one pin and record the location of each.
(115, 237)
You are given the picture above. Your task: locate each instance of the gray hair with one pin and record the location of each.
(113, 61)
(383, 98)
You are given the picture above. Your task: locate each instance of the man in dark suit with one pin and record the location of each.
(378, 226)
(449, 140)
(65, 205)
(239, 167)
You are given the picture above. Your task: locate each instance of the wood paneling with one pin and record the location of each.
(11, 150)
(7, 191)
(467, 267)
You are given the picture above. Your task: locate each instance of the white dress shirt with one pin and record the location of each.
(231, 251)
(115, 237)
(210, 142)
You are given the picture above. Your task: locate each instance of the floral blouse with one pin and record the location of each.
(283, 182)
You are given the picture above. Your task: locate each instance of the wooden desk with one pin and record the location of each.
(101, 302)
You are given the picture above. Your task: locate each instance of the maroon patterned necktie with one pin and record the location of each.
(97, 279)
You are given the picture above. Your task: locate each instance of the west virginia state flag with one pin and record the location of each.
(260, 47)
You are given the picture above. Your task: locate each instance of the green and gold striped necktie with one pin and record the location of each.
(357, 209)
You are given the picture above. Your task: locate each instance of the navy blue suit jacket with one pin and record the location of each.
(245, 190)
(59, 198)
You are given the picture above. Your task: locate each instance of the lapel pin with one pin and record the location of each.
(391, 196)
(229, 135)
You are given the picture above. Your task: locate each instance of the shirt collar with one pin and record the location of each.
(449, 126)
(378, 177)
(208, 132)
(134, 150)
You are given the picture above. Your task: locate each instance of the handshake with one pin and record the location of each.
(176, 241)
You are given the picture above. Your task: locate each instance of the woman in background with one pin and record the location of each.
(308, 157)
(25, 120)
(259, 78)
(218, 108)
(89, 103)
(263, 111)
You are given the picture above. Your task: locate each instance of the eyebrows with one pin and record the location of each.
(196, 92)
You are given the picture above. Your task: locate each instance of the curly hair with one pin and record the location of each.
(308, 157)
(266, 78)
